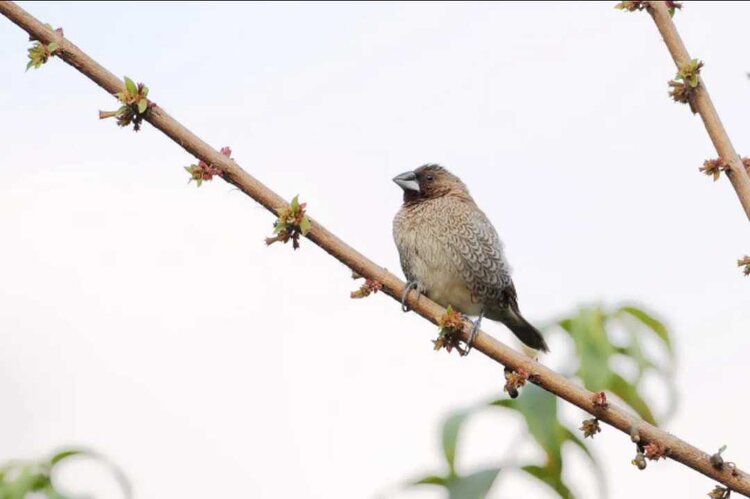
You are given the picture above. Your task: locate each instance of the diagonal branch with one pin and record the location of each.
(736, 171)
(551, 381)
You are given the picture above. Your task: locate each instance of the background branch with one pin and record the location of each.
(560, 386)
(702, 103)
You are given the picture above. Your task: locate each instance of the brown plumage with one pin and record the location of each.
(451, 252)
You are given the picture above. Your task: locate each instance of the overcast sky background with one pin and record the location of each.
(147, 319)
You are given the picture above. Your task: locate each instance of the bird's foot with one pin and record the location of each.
(409, 286)
(472, 336)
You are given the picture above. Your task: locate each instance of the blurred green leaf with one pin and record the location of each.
(551, 477)
(539, 409)
(431, 480)
(474, 486)
(629, 394)
(142, 106)
(451, 427)
(650, 322)
(65, 454)
(594, 348)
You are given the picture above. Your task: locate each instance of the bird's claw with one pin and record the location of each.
(472, 336)
(409, 286)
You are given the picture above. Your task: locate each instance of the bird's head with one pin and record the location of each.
(429, 182)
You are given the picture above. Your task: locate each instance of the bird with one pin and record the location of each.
(451, 252)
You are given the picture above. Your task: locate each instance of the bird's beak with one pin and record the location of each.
(407, 181)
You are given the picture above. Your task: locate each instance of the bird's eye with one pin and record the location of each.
(430, 178)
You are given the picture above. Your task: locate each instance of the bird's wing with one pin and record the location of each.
(479, 256)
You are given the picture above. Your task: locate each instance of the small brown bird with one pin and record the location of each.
(451, 252)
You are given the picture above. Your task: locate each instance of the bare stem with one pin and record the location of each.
(551, 381)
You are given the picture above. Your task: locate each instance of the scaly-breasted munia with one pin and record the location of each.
(451, 252)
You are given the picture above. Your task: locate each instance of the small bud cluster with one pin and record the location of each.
(514, 379)
(451, 324)
(203, 171)
(600, 401)
(590, 427)
(633, 5)
(685, 82)
(720, 492)
(652, 451)
(714, 167)
(292, 223)
(135, 105)
(39, 53)
(369, 287)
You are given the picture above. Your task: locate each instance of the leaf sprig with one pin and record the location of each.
(39, 53)
(135, 105)
(685, 82)
(203, 171)
(634, 5)
(292, 223)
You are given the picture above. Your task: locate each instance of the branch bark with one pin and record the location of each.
(549, 380)
(737, 173)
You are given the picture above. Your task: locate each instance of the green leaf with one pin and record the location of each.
(29, 64)
(431, 480)
(650, 322)
(142, 106)
(598, 471)
(451, 428)
(474, 486)
(65, 454)
(551, 477)
(629, 394)
(130, 86)
(53, 46)
(593, 346)
(539, 410)
(144, 92)
(305, 225)
(295, 203)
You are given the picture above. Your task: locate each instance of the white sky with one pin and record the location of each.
(146, 318)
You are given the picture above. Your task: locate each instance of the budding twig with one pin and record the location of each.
(701, 101)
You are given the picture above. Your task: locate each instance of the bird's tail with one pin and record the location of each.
(527, 333)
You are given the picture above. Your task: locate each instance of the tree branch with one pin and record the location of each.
(555, 383)
(736, 171)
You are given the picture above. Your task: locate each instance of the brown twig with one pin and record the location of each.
(555, 383)
(701, 101)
